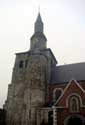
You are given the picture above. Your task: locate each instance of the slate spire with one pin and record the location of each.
(38, 39)
(39, 24)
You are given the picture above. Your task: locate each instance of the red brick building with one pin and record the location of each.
(67, 92)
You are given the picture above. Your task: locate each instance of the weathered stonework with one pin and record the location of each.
(27, 92)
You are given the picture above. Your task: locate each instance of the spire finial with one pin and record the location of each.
(39, 8)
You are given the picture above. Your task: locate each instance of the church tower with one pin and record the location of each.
(31, 75)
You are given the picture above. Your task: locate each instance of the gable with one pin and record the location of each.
(72, 88)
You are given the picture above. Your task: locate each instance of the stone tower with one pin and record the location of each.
(31, 75)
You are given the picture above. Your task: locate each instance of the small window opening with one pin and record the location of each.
(21, 64)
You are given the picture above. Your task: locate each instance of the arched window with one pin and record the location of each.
(56, 93)
(74, 104)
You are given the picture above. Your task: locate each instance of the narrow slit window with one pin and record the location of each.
(30, 114)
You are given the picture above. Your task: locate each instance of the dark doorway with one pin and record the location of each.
(50, 118)
(74, 120)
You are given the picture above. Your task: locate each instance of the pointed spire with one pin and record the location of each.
(39, 24)
(39, 19)
(38, 39)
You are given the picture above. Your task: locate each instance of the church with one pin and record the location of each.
(42, 92)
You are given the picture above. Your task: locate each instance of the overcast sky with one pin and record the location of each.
(64, 27)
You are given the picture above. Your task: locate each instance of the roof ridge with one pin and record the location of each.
(71, 64)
